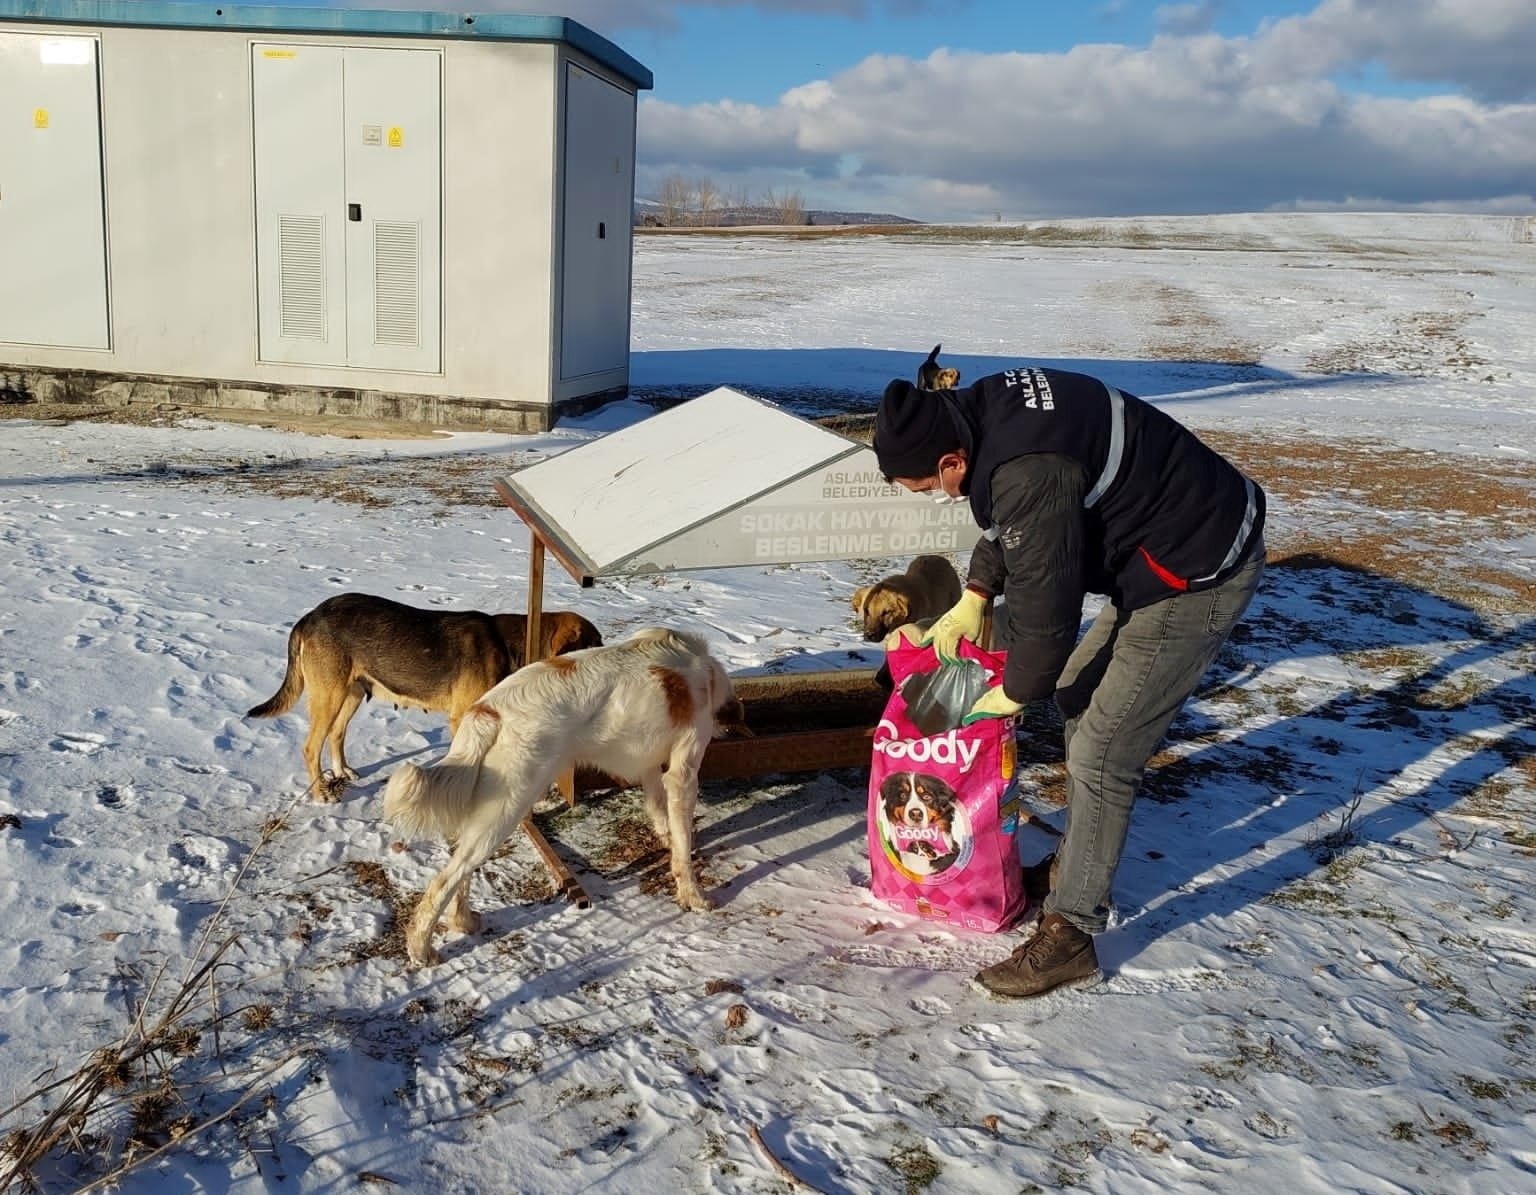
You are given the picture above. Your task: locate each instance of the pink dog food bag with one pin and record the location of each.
(944, 808)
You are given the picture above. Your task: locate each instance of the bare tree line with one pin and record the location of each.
(699, 202)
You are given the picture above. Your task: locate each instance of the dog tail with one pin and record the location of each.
(436, 800)
(928, 371)
(669, 639)
(293, 682)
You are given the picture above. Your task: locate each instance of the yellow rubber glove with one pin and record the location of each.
(960, 621)
(994, 703)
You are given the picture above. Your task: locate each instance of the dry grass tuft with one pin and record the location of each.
(399, 905)
(371, 877)
(629, 841)
(125, 1101)
(529, 885)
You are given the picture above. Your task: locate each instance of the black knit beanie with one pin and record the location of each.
(912, 431)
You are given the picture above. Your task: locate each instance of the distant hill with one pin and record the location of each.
(649, 214)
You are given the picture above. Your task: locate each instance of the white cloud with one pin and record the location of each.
(1185, 124)
(1188, 18)
(1485, 47)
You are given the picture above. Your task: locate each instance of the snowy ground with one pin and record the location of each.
(1322, 975)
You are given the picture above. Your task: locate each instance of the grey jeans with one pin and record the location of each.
(1118, 694)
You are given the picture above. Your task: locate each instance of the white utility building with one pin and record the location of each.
(414, 215)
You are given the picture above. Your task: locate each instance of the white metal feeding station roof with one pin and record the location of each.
(722, 481)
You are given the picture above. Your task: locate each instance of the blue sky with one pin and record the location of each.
(755, 54)
(1021, 109)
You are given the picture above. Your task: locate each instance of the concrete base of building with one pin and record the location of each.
(26, 385)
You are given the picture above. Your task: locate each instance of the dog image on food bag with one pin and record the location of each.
(923, 824)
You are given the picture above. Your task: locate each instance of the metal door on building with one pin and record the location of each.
(598, 186)
(348, 169)
(53, 240)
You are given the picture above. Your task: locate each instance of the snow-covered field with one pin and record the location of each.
(1322, 975)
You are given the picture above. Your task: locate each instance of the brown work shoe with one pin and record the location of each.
(1058, 954)
(1040, 878)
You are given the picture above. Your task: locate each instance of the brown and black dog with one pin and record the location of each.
(929, 587)
(933, 376)
(355, 646)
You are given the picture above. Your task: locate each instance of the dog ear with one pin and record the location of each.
(731, 720)
(857, 600)
(560, 637)
(885, 610)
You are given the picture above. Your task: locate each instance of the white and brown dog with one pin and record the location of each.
(644, 710)
(929, 587)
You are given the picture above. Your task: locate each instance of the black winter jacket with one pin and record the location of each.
(1085, 489)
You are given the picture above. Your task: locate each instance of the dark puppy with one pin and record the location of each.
(355, 646)
(928, 588)
(933, 376)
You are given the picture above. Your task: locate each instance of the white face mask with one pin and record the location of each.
(938, 495)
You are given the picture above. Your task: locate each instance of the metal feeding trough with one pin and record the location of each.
(726, 481)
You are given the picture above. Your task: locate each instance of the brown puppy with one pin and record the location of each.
(355, 646)
(933, 376)
(929, 587)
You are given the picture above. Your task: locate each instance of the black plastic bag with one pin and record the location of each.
(937, 701)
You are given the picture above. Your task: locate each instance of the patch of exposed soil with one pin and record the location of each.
(1419, 344)
(1179, 326)
(1428, 519)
